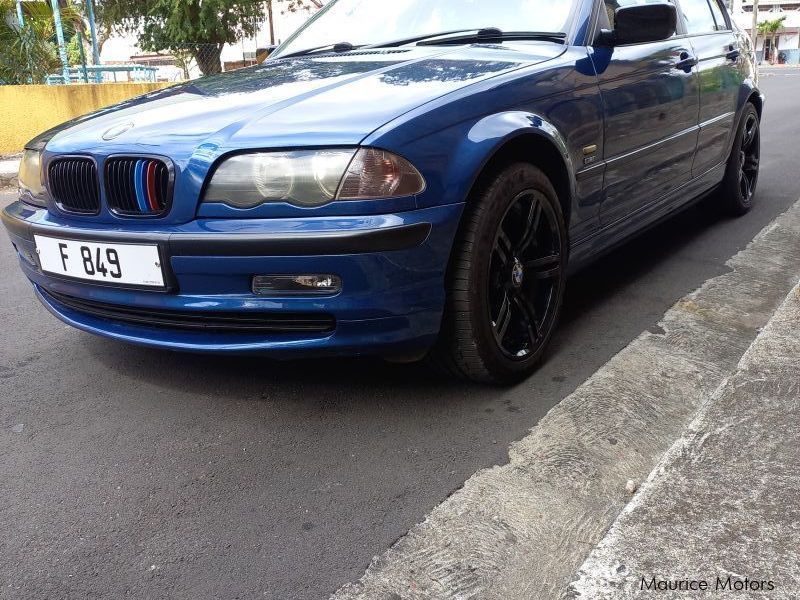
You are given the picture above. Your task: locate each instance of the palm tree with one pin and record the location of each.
(769, 29)
(28, 53)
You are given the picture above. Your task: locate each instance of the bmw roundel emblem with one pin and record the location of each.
(518, 274)
(117, 131)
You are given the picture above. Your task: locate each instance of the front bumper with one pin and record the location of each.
(392, 268)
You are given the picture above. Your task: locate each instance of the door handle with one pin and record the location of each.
(733, 53)
(687, 62)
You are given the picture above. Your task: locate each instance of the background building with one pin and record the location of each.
(785, 47)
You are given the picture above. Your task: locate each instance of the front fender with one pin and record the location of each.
(452, 159)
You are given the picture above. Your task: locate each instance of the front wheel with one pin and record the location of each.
(741, 176)
(506, 280)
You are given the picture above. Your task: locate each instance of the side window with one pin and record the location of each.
(698, 15)
(719, 15)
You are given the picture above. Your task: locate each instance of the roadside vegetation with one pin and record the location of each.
(190, 30)
(28, 53)
(769, 30)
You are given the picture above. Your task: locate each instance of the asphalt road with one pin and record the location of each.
(135, 473)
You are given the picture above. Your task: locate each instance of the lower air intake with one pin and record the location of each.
(209, 321)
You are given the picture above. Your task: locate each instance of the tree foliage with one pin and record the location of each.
(28, 54)
(770, 28)
(200, 27)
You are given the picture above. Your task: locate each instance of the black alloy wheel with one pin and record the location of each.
(525, 275)
(738, 189)
(506, 280)
(749, 157)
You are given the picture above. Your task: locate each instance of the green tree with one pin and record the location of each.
(769, 29)
(29, 53)
(200, 27)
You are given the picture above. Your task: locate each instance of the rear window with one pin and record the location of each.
(698, 16)
(719, 15)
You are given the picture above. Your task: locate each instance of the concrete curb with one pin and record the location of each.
(721, 508)
(9, 168)
(523, 529)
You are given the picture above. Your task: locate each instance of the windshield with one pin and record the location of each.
(369, 22)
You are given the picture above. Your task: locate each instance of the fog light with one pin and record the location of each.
(297, 285)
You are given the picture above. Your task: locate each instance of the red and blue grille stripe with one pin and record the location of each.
(138, 186)
(139, 182)
(145, 179)
(150, 185)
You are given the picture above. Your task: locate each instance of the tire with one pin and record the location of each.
(505, 285)
(738, 189)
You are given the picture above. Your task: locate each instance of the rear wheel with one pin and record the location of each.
(741, 177)
(507, 278)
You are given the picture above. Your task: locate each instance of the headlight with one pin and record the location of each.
(30, 178)
(312, 178)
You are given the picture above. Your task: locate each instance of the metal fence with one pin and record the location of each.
(191, 61)
(208, 59)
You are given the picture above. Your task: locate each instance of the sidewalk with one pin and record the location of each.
(9, 168)
(524, 529)
(721, 514)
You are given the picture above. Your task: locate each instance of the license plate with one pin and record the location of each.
(120, 264)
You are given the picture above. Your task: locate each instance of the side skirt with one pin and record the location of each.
(586, 251)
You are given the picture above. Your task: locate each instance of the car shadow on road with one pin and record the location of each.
(638, 258)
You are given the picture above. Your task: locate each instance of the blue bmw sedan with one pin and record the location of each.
(409, 183)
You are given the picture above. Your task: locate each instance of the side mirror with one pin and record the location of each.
(643, 23)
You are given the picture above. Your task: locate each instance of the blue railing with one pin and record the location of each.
(107, 74)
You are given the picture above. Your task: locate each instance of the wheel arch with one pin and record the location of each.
(750, 94)
(757, 100)
(525, 137)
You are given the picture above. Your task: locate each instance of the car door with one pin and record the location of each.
(651, 103)
(719, 55)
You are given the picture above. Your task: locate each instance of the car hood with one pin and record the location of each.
(319, 100)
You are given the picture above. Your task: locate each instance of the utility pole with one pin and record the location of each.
(271, 24)
(62, 46)
(755, 25)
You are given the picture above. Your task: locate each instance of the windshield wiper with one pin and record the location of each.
(492, 34)
(340, 47)
(419, 38)
(443, 38)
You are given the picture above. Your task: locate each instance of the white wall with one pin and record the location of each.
(789, 40)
